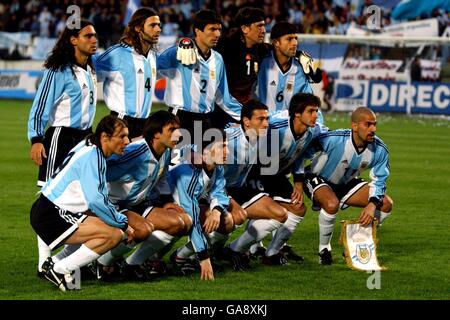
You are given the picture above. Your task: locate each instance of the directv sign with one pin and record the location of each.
(389, 96)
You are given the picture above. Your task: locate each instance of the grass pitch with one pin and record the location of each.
(413, 241)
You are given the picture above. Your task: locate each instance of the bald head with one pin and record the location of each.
(360, 114)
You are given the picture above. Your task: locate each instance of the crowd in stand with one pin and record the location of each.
(47, 18)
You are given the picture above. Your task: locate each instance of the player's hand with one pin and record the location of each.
(129, 235)
(173, 206)
(212, 221)
(367, 214)
(206, 270)
(186, 52)
(37, 152)
(297, 193)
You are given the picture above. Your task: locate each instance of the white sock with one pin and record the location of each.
(160, 254)
(185, 251)
(326, 227)
(65, 252)
(381, 216)
(79, 258)
(217, 237)
(283, 234)
(256, 231)
(112, 255)
(153, 244)
(44, 252)
(255, 246)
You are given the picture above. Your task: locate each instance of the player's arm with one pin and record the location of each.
(185, 186)
(93, 185)
(50, 90)
(107, 62)
(167, 63)
(219, 202)
(377, 187)
(184, 181)
(224, 99)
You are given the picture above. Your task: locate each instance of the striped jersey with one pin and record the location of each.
(79, 185)
(128, 80)
(241, 157)
(286, 150)
(137, 174)
(339, 161)
(195, 88)
(275, 88)
(190, 184)
(63, 99)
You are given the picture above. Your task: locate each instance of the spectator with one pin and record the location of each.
(416, 69)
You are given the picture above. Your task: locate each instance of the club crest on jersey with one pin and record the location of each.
(255, 67)
(212, 75)
(363, 253)
(289, 87)
(154, 72)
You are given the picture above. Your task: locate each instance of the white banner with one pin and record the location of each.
(353, 69)
(421, 28)
(430, 70)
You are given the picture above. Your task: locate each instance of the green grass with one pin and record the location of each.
(413, 242)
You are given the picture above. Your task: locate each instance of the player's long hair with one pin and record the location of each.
(63, 53)
(130, 36)
(106, 125)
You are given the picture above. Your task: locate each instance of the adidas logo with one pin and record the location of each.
(84, 86)
(273, 83)
(140, 71)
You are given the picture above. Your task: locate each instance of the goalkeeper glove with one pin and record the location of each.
(186, 52)
(312, 72)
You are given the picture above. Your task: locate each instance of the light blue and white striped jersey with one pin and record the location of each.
(275, 88)
(290, 150)
(137, 174)
(195, 88)
(339, 161)
(128, 80)
(241, 157)
(63, 100)
(190, 184)
(80, 184)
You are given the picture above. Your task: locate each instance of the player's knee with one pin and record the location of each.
(278, 213)
(239, 216)
(178, 226)
(187, 224)
(331, 206)
(112, 237)
(142, 232)
(298, 209)
(228, 224)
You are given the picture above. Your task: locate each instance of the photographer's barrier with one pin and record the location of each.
(390, 96)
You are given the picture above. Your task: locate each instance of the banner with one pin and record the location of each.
(354, 69)
(389, 96)
(429, 69)
(19, 84)
(421, 28)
